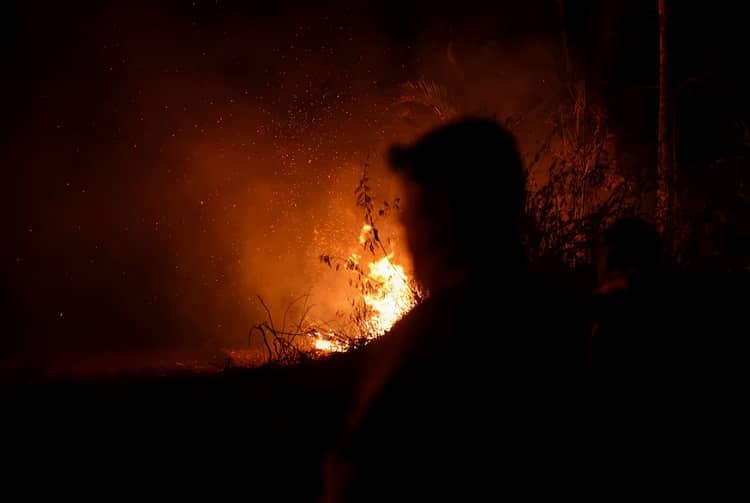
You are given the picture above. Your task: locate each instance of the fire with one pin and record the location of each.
(391, 296)
(388, 294)
(366, 229)
(328, 343)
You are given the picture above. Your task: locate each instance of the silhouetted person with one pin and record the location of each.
(462, 397)
(629, 313)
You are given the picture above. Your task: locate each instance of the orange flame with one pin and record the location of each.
(388, 296)
(328, 343)
(391, 296)
(366, 229)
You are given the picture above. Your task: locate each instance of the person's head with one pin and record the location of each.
(464, 192)
(630, 248)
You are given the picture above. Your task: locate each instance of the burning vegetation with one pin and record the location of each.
(387, 294)
(383, 292)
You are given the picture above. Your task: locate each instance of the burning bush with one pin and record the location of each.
(384, 294)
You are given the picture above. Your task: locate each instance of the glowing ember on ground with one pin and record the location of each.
(388, 295)
(328, 343)
(324, 345)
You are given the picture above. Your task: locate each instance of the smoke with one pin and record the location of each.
(168, 171)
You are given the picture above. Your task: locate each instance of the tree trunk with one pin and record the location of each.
(664, 167)
(564, 40)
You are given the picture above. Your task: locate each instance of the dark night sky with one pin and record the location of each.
(162, 165)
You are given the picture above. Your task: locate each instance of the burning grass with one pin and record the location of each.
(384, 293)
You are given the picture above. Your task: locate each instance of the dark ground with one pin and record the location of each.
(262, 433)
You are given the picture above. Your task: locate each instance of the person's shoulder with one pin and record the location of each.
(403, 334)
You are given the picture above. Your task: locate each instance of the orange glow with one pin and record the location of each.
(390, 297)
(328, 343)
(388, 294)
(366, 229)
